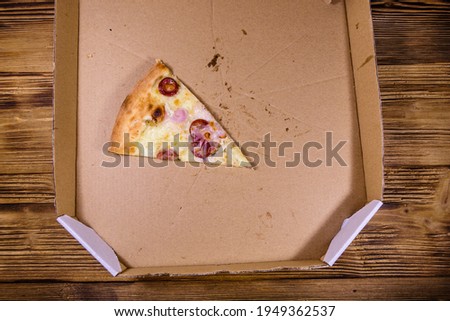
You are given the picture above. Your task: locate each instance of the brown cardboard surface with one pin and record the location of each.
(228, 268)
(284, 68)
(367, 94)
(65, 97)
(284, 65)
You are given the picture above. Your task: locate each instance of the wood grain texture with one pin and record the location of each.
(287, 289)
(403, 253)
(411, 32)
(26, 96)
(26, 36)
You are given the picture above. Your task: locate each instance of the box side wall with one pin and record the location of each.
(65, 105)
(225, 268)
(367, 94)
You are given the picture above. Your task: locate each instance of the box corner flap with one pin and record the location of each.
(93, 243)
(351, 227)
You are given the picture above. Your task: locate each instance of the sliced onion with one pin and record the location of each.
(204, 149)
(205, 138)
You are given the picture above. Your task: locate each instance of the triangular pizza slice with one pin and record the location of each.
(161, 118)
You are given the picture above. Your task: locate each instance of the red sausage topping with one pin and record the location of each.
(199, 128)
(202, 143)
(167, 155)
(204, 149)
(168, 87)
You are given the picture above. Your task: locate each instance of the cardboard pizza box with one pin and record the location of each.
(293, 82)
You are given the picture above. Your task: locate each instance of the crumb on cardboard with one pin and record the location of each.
(214, 61)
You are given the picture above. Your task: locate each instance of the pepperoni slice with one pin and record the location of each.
(165, 154)
(168, 87)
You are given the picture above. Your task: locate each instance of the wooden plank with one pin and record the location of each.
(37, 188)
(327, 289)
(414, 185)
(415, 115)
(411, 32)
(415, 81)
(26, 121)
(22, 90)
(19, 44)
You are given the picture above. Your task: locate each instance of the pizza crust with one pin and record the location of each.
(132, 112)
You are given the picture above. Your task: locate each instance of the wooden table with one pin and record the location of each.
(404, 252)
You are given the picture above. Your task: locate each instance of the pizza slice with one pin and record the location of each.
(161, 118)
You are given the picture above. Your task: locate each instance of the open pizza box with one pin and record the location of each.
(301, 74)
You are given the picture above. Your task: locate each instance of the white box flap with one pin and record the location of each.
(92, 242)
(349, 230)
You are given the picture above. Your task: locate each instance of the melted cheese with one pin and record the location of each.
(170, 134)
